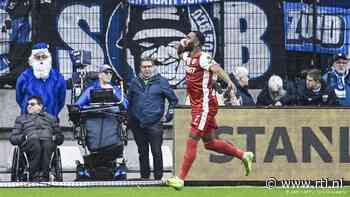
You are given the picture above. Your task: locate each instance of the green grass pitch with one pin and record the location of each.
(240, 191)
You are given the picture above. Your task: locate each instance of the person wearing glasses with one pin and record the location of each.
(338, 79)
(38, 134)
(103, 128)
(104, 82)
(41, 79)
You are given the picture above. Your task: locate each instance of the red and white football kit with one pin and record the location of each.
(199, 80)
(204, 108)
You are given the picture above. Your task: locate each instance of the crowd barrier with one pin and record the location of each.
(291, 143)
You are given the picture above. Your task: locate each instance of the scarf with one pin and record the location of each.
(339, 88)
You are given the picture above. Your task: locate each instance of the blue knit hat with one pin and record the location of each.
(40, 47)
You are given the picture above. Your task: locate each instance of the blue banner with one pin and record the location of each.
(321, 30)
(119, 34)
(169, 2)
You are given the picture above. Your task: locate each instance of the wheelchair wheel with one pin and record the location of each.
(15, 165)
(57, 165)
(20, 168)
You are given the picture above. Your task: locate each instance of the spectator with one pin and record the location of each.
(37, 133)
(241, 79)
(41, 80)
(147, 96)
(314, 91)
(103, 82)
(19, 28)
(275, 94)
(338, 79)
(104, 135)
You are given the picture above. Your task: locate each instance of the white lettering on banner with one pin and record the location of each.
(332, 29)
(329, 27)
(69, 22)
(245, 47)
(307, 23)
(293, 18)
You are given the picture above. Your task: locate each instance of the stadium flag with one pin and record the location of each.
(169, 2)
(321, 29)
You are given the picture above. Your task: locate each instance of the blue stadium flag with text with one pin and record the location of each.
(321, 29)
(169, 2)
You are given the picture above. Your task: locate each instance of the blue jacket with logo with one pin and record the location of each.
(146, 100)
(51, 90)
(331, 81)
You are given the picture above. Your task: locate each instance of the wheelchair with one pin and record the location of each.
(113, 166)
(20, 166)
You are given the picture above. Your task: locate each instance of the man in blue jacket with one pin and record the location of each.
(103, 128)
(104, 82)
(146, 97)
(338, 79)
(41, 80)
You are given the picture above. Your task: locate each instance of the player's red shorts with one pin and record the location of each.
(203, 123)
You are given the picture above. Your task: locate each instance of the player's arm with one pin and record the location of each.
(208, 63)
(221, 73)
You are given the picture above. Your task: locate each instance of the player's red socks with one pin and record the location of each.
(221, 146)
(189, 157)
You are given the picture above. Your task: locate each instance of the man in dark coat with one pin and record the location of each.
(315, 92)
(146, 97)
(241, 79)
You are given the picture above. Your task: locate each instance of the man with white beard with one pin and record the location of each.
(338, 79)
(41, 80)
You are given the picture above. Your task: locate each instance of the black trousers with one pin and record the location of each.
(150, 136)
(39, 154)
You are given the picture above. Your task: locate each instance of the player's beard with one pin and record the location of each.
(189, 47)
(42, 68)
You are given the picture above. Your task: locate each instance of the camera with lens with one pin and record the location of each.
(80, 58)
